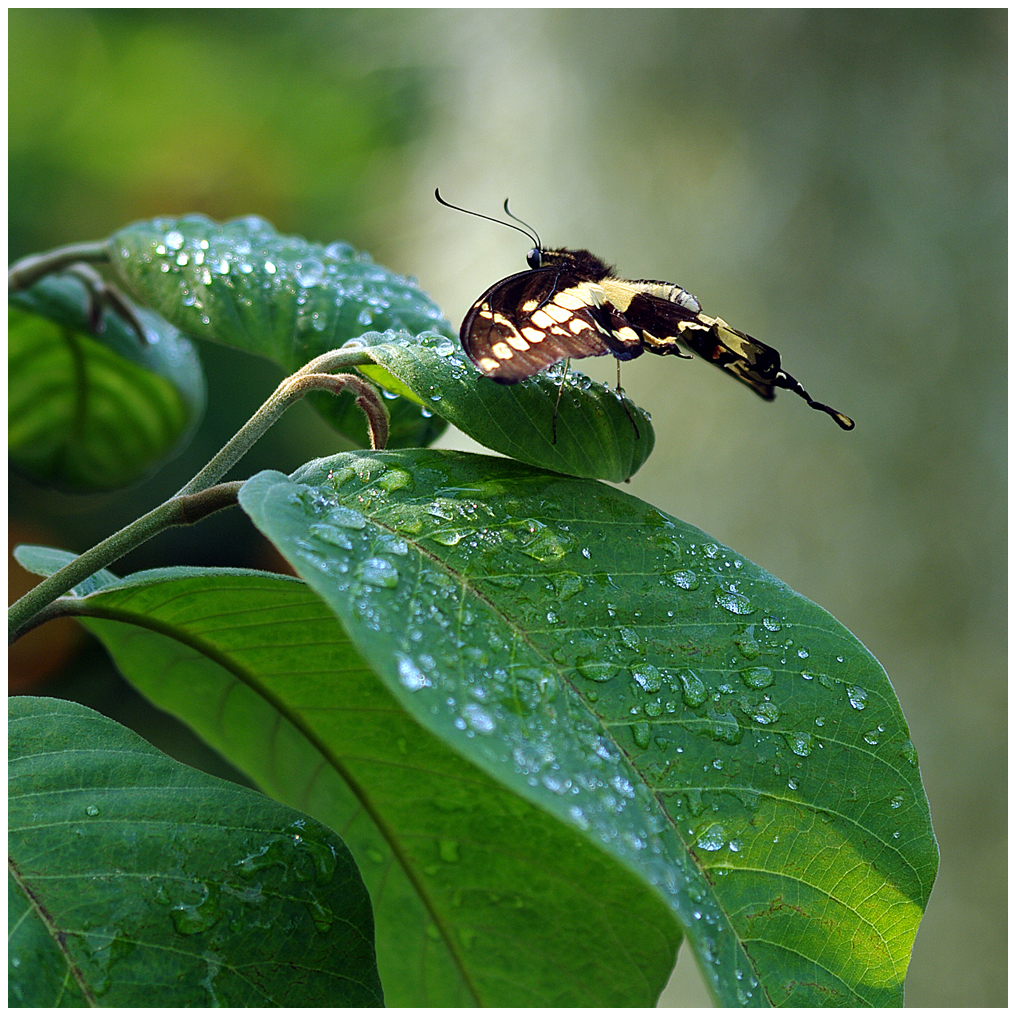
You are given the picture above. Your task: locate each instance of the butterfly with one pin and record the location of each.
(570, 304)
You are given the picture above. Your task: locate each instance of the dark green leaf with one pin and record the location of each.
(725, 738)
(94, 412)
(597, 434)
(136, 880)
(242, 284)
(479, 898)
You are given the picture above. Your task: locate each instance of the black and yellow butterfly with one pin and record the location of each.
(570, 305)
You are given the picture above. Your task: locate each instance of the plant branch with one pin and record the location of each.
(26, 613)
(28, 271)
(204, 494)
(294, 387)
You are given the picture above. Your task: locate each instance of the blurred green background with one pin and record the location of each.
(832, 182)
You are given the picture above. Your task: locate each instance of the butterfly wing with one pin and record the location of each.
(667, 324)
(527, 322)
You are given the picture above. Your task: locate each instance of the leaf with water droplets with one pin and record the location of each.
(583, 428)
(242, 284)
(627, 709)
(132, 879)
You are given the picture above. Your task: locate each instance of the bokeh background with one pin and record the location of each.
(832, 182)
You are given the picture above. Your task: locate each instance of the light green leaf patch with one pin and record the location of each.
(94, 411)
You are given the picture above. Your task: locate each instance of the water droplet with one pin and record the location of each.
(748, 645)
(193, 918)
(395, 479)
(908, 752)
(799, 742)
(594, 668)
(640, 734)
(322, 915)
(331, 535)
(544, 545)
(648, 678)
(757, 677)
(410, 675)
(762, 713)
(684, 578)
(92, 810)
(713, 837)
(478, 718)
(871, 736)
(345, 517)
(724, 727)
(693, 691)
(309, 273)
(736, 603)
(858, 696)
(376, 571)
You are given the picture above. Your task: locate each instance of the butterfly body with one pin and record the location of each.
(570, 304)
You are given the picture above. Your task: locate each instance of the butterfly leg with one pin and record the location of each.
(619, 391)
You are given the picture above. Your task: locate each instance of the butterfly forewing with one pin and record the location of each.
(529, 321)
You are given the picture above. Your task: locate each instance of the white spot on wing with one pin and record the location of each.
(502, 350)
(569, 301)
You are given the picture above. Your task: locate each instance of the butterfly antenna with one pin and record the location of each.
(531, 234)
(785, 380)
(535, 235)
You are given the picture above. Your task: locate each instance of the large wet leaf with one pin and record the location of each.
(94, 411)
(135, 879)
(581, 428)
(242, 284)
(726, 739)
(479, 897)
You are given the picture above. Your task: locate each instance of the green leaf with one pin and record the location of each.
(479, 897)
(135, 879)
(725, 738)
(241, 284)
(94, 412)
(48, 561)
(596, 434)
